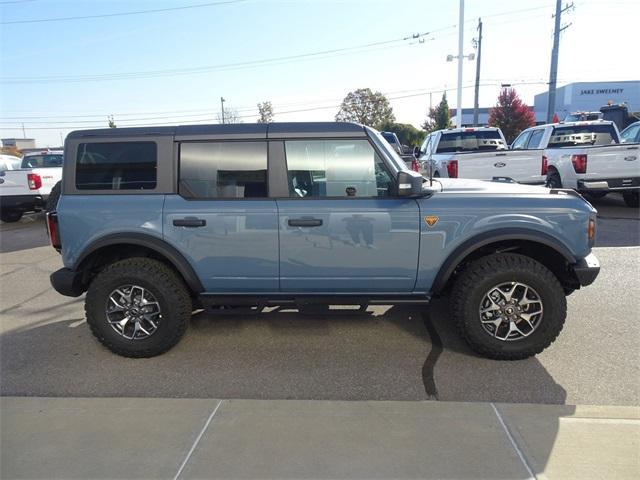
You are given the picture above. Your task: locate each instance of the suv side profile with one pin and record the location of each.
(155, 222)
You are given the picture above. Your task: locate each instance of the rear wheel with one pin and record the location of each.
(138, 307)
(632, 199)
(553, 179)
(508, 306)
(10, 216)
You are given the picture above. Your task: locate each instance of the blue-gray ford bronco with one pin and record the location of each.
(154, 223)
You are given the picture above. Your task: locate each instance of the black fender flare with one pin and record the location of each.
(152, 243)
(499, 235)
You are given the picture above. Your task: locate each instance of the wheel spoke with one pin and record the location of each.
(527, 316)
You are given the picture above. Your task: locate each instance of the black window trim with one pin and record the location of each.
(222, 140)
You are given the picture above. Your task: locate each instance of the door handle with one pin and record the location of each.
(191, 222)
(304, 222)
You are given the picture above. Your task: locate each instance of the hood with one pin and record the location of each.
(468, 185)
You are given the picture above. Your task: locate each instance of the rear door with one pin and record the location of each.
(222, 219)
(341, 228)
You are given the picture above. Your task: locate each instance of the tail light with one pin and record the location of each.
(52, 229)
(415, 166)
(452, 168)
(34, 181)
(545, 165)
(579, 163)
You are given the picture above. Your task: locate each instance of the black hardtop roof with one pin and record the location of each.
(273, 130)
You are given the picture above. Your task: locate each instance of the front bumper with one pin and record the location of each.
(67, 282)
(587, 269)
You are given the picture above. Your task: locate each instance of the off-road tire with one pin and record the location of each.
(163, 282)
(479, 277)
(52, 200)
(631, 199)
(553, 179)
(10, 216)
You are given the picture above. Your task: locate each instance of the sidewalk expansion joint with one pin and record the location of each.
(197, 440)
(513, 443)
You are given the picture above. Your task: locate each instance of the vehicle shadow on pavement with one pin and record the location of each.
(381, 355)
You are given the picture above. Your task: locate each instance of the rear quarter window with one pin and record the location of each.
(117, 166)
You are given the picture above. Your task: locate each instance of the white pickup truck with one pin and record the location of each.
(461, 152)
(596, 170)
(468, 153)
(26, 189)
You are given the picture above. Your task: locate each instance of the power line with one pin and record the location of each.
(120, 14)
(210, 68)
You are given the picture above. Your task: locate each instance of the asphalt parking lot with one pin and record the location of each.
(396, 353)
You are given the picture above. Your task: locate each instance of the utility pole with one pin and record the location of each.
(477, 93)
(553, 75)
(460, 58)
(222, 108)
(24, 135)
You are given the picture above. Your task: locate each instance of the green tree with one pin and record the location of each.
(112, 122)
(511, 114)
(265, 110)
(439, 117)
(407, 133)
(365, 107)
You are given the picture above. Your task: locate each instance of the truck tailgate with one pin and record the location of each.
(520, 165)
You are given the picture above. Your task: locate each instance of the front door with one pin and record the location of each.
(341, 230)
(222, 220)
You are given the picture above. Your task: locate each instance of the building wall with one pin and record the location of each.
(589, 97)
(19, 143)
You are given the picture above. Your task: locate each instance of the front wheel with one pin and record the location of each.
(138, 307)
(10, 216)
(508, 306)
(632, 199)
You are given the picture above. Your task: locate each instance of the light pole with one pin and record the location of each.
(222, 108)
(460, 56)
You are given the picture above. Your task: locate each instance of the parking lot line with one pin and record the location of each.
(525, 464)
(197, 440)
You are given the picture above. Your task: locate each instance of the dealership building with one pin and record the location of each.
(573, 97)
(588, 97)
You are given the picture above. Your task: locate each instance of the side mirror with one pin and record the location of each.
(409, 184)
(416, 152)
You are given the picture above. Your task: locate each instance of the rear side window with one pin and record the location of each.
(42, 161)
(117, 166)
(223, 170)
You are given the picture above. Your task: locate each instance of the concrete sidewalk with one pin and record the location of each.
(171, 438)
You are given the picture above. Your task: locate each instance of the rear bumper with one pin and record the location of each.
(587, 270)
(67, 282)
(609, 184)
(24, 203)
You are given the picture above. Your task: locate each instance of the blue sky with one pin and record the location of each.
(516, 49)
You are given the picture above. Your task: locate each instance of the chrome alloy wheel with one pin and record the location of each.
(133, 312)
(511, 311)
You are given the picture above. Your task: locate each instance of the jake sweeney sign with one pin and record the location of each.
(601, 91)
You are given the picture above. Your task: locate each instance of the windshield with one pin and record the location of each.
(594, 134)
(470, 141)
(42, 161)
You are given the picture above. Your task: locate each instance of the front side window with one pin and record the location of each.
(117, 166)
(42, 161)
(335, 168)
(223, 170)
(536, 138)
